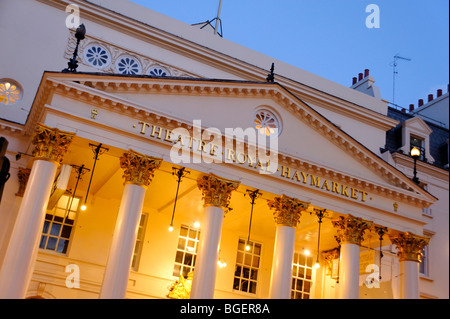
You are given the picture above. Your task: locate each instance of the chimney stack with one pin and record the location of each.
(420, 102)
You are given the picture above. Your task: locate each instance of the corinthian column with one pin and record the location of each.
(50, 145)
(287, 212)
(138, 173)
(216, 195)
(409, 248)
(350, 232)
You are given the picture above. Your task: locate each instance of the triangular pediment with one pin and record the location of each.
(307, 141)
(416, 124)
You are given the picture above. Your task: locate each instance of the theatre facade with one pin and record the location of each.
(174, 164)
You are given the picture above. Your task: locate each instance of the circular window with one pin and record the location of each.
(127, 64)
(10, 92)
(157, 70)
(266, 122)
(97, 56)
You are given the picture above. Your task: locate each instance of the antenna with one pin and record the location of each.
(209, 22)
(396, 57)
(218, 18)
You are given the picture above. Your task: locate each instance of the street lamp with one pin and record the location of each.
(72, 65)
(415, 154)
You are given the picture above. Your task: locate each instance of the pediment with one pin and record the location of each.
(416, 124)
(308, 141)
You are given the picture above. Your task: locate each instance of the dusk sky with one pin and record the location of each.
(331, 39)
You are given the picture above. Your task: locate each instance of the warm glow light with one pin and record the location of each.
(415, 152)
(317, 265)
(83, 207)
(221, 264)
(306, 252)
(197, 225)
(170, 228)
(247, 248)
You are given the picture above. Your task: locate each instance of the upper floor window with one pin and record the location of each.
(423, 266)
(58, 225)
(10, 92)
(97, 55)
(127, 64)
(417, 142)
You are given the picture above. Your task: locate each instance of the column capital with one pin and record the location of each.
(50, 144)
(216, 190)
(351, 229)
(139, 168)
(22, 174)
(287, 210)
(409, 246)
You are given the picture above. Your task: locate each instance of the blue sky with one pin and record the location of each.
(330, 38)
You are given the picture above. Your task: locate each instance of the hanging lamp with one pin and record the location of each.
(98, 150)
(179, 173)
(253, 196)
(320, 213)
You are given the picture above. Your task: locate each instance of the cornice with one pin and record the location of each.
(423, 167)
(225, 62)
(90, 88)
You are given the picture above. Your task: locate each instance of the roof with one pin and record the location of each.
(438, 138)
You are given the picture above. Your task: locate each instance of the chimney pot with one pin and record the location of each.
(439, 93)
(430, 97)
(411, 107)
(420, 102)
(403, 110)
(366, 72)
(354, 80)
(360, 76)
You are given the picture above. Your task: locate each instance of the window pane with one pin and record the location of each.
(240, 258)
(252, 287)
(246, 272)
(248, 260)
(257, 250)
(46, 226)
(66, 231)
(188, 259)
(62, 246)
(179, 257)
(176, 270)
(55, 229)
(181, 243)
(51, 244)
(183, 231)
(42, 242)
(237, 272)
(255, 261)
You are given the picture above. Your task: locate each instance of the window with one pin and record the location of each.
(266, 122)
(247, 267)
(97, 56)
(186, 251)
(58, 225)
(10, 92)
(139, 242)
(423, 266)
(127, 64)
(157, 70)
(301, 276)
(418, 143)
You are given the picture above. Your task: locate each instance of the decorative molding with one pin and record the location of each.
(50, 143)
(91, 89)
(22, 175)
(409, 246)
(351, 229)
(287, 210)
(328, 256)
(181, 289)
(216, 190)
(138, 168)
(114, 52)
